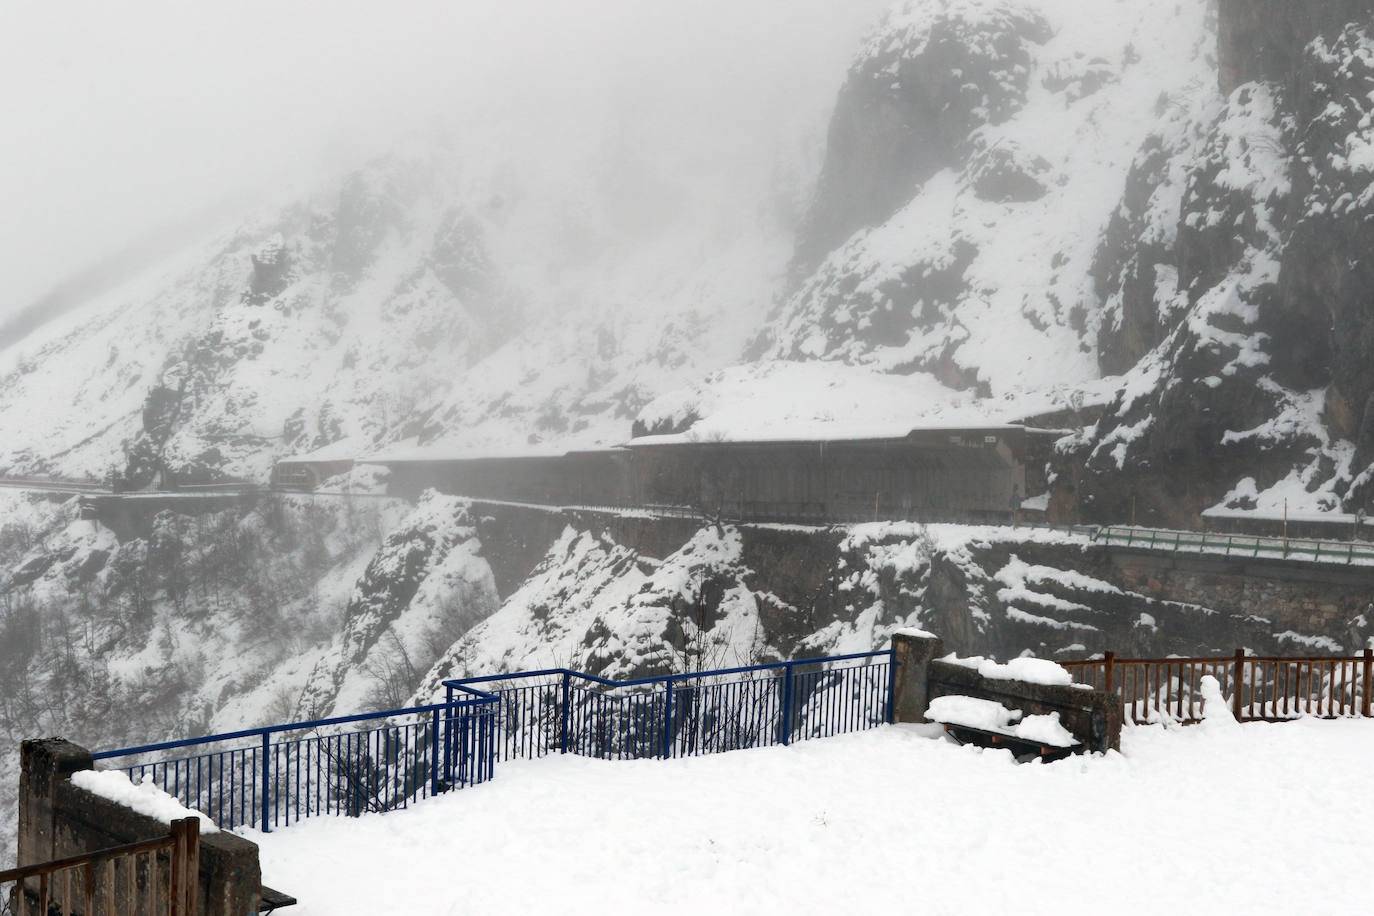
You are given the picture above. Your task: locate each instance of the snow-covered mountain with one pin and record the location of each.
(384, 309)
(1021, 207)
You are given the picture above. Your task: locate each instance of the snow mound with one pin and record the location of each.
(145, 798)
(1029, 670)
(1216, 712)
(992, 716)
(972, 712)
(1046, 729)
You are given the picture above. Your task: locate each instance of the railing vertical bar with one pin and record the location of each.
(788, 692)
(297, 749)
(567, 699)
(434, 752)
(1240, 683)
(88, 876)
(827, 703)
(110, 878)
(1307, 695)
(1344, 684)
(266, 778)
(668, 719)
(740, 714)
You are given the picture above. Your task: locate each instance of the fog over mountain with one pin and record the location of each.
(1017, 202)
(118, 121)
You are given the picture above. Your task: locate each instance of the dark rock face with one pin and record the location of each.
(271, 272)
(1246, 316)
(1264, 39)
(1328, 279)
(1134, 271)
(1004, 173)
(922, 86)
(429, 551)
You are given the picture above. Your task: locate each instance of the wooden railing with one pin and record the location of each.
(149, 878)
(1260, 687)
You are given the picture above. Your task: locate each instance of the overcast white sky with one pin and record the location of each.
(119, 118)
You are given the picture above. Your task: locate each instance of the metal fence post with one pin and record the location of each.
(567, 709)
(1239, 678)
(785, 726)
(891, 711)
(668, 718)
(266, 777)
(448, 735)
(434, 752)
(489, 718)
(1368, 683)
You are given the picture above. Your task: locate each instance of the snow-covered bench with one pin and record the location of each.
(986, 723)
(1038, 688)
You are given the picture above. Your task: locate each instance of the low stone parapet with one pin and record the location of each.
(58, 819)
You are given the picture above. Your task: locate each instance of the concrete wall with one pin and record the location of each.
(1291, 594)
(57, 819)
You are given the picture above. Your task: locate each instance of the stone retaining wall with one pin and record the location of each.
(58, 819)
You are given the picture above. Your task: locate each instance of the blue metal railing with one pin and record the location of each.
(558, 710)
(303, 769)
(275, 776)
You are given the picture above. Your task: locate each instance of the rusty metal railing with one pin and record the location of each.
(153, 877)
(1267, 688)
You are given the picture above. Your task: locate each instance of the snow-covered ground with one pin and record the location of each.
(1256, 818)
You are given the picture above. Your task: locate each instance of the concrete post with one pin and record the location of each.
(58, 819)
(914, 650)
(43, 763)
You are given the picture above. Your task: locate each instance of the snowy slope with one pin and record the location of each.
(386, 309)
(836, 825)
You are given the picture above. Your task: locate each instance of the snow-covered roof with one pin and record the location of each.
(823, 435)
(424, 454)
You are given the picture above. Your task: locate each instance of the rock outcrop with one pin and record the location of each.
(1236, 289)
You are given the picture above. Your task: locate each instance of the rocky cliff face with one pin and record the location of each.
(405, 302)
(918, 91)
(1013, 200)
(975, 153)
(1234, 281)
(1264, 40)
